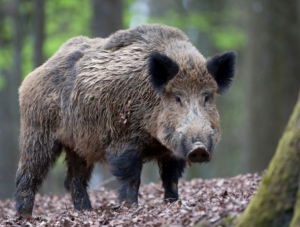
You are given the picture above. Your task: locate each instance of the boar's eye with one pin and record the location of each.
(207, 98)
(178, 100)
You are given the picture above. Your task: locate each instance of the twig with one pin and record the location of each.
(137, 210)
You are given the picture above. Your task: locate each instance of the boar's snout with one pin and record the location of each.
(199, 153)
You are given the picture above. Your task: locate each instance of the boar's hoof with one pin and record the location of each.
(199, 153)
(19, 216)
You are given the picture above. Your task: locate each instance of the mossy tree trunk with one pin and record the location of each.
(296, 217)
(277, 202)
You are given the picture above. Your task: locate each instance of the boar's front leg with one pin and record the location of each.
(76, 181)
(127, 168)
(171, 170)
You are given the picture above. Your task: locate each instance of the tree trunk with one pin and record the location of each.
(38, 32)
(271, 74)
(296, 217)
(9, 111)
(275, 202)
(107, 17)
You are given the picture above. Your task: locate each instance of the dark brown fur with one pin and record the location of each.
(94, 100)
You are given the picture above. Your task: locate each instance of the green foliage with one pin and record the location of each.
(5, 62)
(228, 38)
(64, 20)
(5, 50)
(27, 56)
(183, 22)
(2, 82)
(224, 36)
(127, 12)
(6, 29)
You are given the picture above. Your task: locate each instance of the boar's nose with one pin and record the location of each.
(199, 153)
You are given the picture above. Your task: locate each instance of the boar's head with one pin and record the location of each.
(188, 120)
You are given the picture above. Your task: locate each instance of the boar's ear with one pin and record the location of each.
(222, 68)
(161, 70)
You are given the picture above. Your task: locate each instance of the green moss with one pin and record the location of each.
(296, 218)
(227, 222)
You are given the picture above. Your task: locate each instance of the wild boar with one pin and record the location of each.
(139, 95)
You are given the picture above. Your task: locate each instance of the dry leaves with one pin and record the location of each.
(215, 202)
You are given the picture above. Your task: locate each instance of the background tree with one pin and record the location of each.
(276, 202)
(271, 76)
(9, 110)
(38, 31)
(107, 17)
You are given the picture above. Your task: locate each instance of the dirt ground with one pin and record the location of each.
(215, 202)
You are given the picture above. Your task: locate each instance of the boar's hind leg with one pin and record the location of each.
(76, 181)
(38, 154)
(127, 168)
(171, 170)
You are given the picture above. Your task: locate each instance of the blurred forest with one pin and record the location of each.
(254, 112)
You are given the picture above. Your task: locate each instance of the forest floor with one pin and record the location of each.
(214, 202)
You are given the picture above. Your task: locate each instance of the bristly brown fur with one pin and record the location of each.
(94, 97)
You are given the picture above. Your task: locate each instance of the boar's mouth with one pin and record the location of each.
(199, 153)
